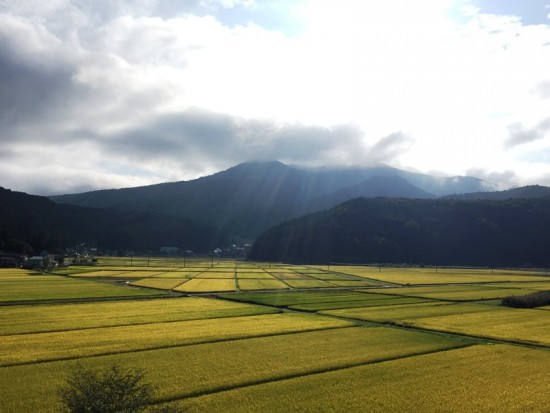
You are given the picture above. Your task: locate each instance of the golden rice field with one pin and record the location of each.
(400, 311)
(22, 285)
(405, 276)
(517, 325)
(254, 275)
(205, 285)
(181, 372)
(458, 292)
(279, 338)
(216, 274)
(22, 319)
(483, 379)
(159, 283)
(62, 345)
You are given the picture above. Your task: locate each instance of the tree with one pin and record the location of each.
(109, 390)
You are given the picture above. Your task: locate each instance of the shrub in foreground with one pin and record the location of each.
(537, 299)
(111, 390)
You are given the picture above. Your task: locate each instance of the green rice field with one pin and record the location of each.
(232, 336)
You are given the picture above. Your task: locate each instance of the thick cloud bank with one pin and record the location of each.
(112, 94)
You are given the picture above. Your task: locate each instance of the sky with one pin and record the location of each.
(110, 94)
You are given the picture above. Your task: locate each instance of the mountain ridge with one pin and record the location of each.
(236, 205)
(248, 198)
(514, 232)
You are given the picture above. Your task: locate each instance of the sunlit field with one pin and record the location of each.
(23, 285)
(222, 336)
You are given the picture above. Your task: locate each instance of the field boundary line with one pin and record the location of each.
(290, 376)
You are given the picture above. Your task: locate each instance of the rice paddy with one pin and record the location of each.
(277, 337)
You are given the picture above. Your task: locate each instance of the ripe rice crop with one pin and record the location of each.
(205, 285)
(523, 285)
(398, 313)
(215, 366)
(255, 275)
(439, 276)
(455, 292)
(387, 301)
(248, 268)
(470, 379)
(177, 274)
(62, 317)
(357, 284)
(47, 287)
(247, 284)
(7, 273)
(514, 324)
(124, 268)
(216, 274)
(333, 276)
(103, 273)
(39, 347)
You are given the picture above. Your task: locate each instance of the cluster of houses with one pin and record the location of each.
(44, 261)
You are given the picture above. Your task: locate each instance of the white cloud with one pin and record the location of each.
(131, 79)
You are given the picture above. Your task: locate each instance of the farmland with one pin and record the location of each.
(222, 336)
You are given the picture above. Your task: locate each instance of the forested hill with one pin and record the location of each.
(515, 232)
(29, 224)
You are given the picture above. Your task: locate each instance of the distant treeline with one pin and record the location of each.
(513, 232)
(536, 299)
(30, 224)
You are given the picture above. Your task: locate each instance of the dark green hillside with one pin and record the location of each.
(439, 232)
(247, 199)
(29, 224)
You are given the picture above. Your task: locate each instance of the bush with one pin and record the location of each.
(538, 299)
(111, 390)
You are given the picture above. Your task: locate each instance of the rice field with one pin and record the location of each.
(457, 292)
(277, 337)
(399, 312)
(472, 379)
(159, 283)
(512, 324)
(205, 285)
(254, 275)
(24, 319)
(216, 274)
(406, 276)
(20, 285)
(182, 372)
(63, 345)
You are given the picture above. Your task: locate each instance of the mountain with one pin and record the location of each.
(376, 186)
(530, 191)
(437, 232)
(30, 224)
(248, 198)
